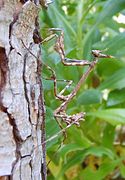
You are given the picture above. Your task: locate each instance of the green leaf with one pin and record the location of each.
(78, 158)
(83, 141)
(110, 8)
(115, 81)
(108, 136)
(69, 148)
(52, 127)
(107, 167)
(59, 21)
(113, 116)
(99, 151)
(122, 170)
(80, 155)
(47, 84)
(107, 67)
(91, 96)
(116, 97)
(102, 172)
(113, 48)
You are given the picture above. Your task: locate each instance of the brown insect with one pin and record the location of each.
(60, 112)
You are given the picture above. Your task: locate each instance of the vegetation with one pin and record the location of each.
(96, 148)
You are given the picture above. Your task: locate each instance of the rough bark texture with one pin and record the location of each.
(21, 102)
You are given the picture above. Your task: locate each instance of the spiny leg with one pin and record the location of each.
(62, 108)
(60, 111)
(59, 47)
(60, 94)
(69, 82)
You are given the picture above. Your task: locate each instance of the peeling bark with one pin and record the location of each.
(22, 112)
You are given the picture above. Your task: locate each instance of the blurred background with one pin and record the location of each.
(96, 149)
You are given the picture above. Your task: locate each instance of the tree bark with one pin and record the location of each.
(22, 129)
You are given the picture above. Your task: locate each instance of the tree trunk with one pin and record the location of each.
(22, 157)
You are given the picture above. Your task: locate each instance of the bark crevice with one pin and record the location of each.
(3, 70)
(25, 87)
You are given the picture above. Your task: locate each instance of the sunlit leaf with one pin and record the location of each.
(80, 155)
(122, 170)
(110, 8)
(113, 116)
(99, 151)
(101, 173)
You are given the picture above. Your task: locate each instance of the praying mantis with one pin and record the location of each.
(60, 112)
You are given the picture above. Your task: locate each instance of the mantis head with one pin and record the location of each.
(99, 54)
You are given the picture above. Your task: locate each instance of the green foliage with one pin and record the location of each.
(90, 96)
(95, 150)
(113, 116)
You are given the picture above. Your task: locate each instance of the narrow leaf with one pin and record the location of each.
(116, 81)
(116, 97)
(113, 116)
(91, 96)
